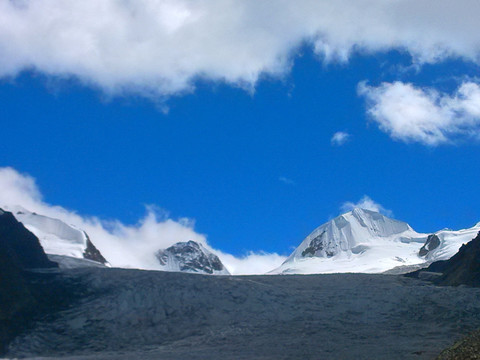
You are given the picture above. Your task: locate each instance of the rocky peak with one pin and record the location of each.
(92, 253)
(190, 256)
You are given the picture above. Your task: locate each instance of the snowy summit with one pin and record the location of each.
(369, 242)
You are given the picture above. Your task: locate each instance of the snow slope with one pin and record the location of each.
(451, 241)
(57, 237)
(369, 242)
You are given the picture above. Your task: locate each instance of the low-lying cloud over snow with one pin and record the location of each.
(126, 245)
(339, 138)
(160, 47)
(365, 203)
(252, 263)
(424, 115)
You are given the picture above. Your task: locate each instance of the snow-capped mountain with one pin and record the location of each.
(59, 238)
(369, 242)
(191, 257)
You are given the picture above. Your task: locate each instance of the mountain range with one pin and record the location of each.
(359, 241)
(72, 247)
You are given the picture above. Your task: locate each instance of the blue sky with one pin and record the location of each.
(248, 154)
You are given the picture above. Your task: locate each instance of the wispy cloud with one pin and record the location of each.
(157, 48)
(123, 245)
(286, 180)
(339, 138)
(424, 115)
(365, 203)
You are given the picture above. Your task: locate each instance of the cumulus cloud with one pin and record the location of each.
(339, 138)
(161, 47)
(365, 203)
(131, 246)
(424, 115)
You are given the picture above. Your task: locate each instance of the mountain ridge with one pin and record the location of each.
(358, 241)
(58, 237)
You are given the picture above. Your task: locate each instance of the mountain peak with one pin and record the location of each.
(190, 256)
(347, 236)
(367, 241)
(360, 210)
(361, 213)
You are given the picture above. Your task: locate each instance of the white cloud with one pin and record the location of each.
(126, 245)
(252, 263)
(286, 180)
(424, 115)
(365, 203)
(160, 47)
(339, 138)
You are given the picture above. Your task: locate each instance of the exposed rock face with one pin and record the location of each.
(190, 257)
(321, 245)
(92, 253)
(431, 244)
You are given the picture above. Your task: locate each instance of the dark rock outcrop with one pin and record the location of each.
(92, 253)
(466, 348)
(15, 298)
(464, 267)
(431, 244)
(321, 245)
(19, 250)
